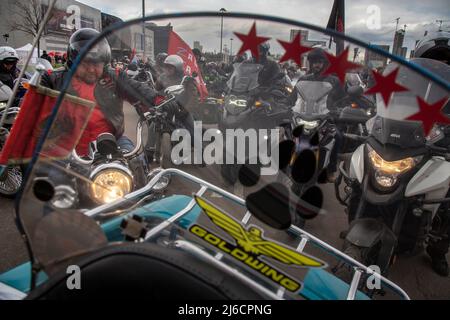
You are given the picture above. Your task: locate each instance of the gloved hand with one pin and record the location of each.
(172, 107)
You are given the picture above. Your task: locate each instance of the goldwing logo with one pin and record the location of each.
(250, 245)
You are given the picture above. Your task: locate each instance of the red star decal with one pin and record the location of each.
(250, 41)
(340, 65)
(294, 50)
(430, 114)
(386, 86)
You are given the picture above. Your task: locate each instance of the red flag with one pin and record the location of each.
(179, 47)
(32, 119)
(337, 22)
(133, 53)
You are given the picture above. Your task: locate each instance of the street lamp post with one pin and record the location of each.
(231, 47)
(143, 31)
(222, 10)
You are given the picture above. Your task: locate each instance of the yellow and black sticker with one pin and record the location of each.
(250, 245)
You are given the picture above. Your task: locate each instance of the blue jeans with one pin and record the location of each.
(125, 143)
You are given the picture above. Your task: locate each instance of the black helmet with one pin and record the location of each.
(264, 49)
(101, 52)
(435, 46)
(197, 52)
(317, 54)
(160, 57)
(133, 67)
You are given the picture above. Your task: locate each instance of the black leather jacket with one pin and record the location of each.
(110, 92)
(8, 77)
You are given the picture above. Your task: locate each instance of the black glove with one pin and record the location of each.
(172, 107)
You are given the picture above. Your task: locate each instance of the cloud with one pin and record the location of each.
(417, 15)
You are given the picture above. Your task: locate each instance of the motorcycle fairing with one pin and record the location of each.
(312, 97)
(357, 164)
(432, 180)
(245, 77)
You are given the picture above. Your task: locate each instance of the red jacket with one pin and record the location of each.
(97, 123)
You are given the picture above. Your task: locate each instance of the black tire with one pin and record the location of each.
(11, 181)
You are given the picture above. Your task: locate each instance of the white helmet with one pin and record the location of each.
(8, 54)
(176, 61)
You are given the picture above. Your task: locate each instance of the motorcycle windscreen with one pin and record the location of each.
(413, 95)
(83, 182)
(54, 232)
(312, 97)
(244, 77)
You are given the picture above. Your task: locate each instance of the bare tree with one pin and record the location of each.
(28, 17)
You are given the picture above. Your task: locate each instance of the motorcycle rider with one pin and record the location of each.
(157, 68)
(95, 80)
(437, 47)
(271, 70)
(8, 66)
(318, 62)
(172, 72)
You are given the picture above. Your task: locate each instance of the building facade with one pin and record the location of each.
(373, 60)
(68, 16)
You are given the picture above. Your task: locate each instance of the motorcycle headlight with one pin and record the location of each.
(110, 184)
(309, 125)
(387, 172)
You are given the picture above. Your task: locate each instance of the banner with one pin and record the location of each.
(31, 121)
(179, 47)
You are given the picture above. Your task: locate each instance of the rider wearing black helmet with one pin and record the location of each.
(271, 70)
(318, 62)
(94, 79)
(436, 46)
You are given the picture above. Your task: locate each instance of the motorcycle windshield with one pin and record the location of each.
(415, 94)
(95, 142)
(244, 77)
(312, 97)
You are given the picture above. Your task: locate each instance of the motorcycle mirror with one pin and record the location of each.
(355, 91)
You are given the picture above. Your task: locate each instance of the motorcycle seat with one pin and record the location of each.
(145, 271)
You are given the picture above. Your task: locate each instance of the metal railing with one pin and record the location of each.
(305, 237)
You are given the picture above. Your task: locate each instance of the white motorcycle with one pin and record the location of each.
(397, 182)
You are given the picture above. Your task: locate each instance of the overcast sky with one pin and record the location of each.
(417, 15)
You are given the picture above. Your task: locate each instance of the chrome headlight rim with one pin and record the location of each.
(103, 168)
